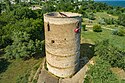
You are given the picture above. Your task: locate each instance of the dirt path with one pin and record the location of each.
(108, 28)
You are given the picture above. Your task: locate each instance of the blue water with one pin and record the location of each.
(114, 3)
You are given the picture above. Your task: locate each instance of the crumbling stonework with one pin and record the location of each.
(62, 43)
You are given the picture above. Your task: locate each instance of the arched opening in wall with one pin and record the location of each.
(48, 27)
(52, 41)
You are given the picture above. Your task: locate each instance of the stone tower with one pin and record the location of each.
(62, 42)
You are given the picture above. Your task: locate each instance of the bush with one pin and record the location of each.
(121, 19)
(23, 46)
(84, 27)
(100, 73)
(97, 28)
(101, 21)
(115, 32)
(119, 32)
(111, 54)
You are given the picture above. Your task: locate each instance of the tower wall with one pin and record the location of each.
(62, 43)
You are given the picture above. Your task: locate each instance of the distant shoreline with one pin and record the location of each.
(114, 3)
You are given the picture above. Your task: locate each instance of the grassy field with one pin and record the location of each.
(98, 16)
(118, 41)
(104, 15)
(12, 69)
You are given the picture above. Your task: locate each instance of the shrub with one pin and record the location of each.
(100, 73)
(23, 46)
(101, 21)
(111, 54)
(91, 16)
(97, 28)
(121, 19)
(84, 27)
(115, 32)
(119, 32)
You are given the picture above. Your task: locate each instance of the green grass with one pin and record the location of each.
(17, 68)
(106, 34)
(105, 15)
(118, 41)
(98, 15)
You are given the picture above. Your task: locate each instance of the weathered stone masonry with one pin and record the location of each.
(62, 43)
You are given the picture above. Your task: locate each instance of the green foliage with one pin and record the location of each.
(21, 33)
(0, 8)
(23, 78)
(115, 32)
(110, 21)
(113, 55)
(23, 46)
(114, 11)
(7, 18)
(4, 63)
(8, 5)
(83, 27)
(31, 26)
(119, 32)
(64, 5)
(21, 13)
(91, 16)
(101, 21)
(100, 73)
(17, 1)
(97, 28)
(121, 19)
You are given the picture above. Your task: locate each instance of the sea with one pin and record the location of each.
(114, 3)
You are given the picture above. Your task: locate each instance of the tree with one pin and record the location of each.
(8, 5)
(0, 8)
(111, 54)
(91, 16)
(23, 12)
(121, 19)
(23, 46)
(17, 1)
(100, 73)
(97, 28)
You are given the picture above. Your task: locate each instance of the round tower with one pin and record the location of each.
(62, 42)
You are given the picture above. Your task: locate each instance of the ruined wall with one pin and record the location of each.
(62, 43)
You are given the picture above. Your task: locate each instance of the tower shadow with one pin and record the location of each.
(3, 64)
(86, 53)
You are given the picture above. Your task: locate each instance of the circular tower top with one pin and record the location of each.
(62, 17)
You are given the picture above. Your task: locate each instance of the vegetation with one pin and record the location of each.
(119, 32)
(100, 73)
(22, 37)
(121, 19)
(16, 70)
(23, 78)
(111, 54)
(97, 28)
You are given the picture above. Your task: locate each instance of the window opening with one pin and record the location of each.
(52, 41)
(48, 27)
